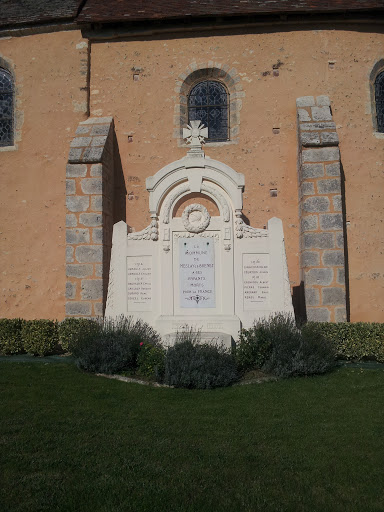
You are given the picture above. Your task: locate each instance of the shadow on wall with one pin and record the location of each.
(118, 213)
(120, 190)
(346, 263)
(298, 301)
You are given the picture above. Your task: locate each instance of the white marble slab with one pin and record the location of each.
(197, 272)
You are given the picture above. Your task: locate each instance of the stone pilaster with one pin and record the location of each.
(89, 220)
(322, 224)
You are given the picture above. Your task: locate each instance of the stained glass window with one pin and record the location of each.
(208, 102)
(379, 99)
(6, 108)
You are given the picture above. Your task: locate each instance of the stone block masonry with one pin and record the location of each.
(322, 258)
(89, 200)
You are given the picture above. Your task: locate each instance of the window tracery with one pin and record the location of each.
(6, 108)
(379, 101)
(208, 103)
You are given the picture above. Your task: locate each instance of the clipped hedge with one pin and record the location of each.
(11, 341)
(354, 341)
(73, 330)
(40, 337)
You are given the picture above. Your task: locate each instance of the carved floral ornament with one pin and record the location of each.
(195, 218)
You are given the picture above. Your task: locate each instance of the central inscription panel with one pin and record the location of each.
(197, 272)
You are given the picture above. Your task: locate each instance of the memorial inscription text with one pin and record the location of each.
(139, 282)
(197, 272)
(255, 280)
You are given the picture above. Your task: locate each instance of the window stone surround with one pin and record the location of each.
(196, 73)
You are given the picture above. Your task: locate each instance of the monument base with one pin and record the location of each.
(221, 328)
(214, 338)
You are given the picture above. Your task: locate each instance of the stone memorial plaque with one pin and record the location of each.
(255, 280)
(197, 272)
(139, 283)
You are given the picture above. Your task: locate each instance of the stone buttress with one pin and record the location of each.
(322, 232)
(89, 219)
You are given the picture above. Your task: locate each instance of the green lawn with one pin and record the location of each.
(72, 441)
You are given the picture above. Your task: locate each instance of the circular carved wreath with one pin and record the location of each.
(195, 218)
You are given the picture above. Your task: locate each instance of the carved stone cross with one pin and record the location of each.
(195, 134)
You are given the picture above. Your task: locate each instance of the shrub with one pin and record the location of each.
(71, 330)
(355, 341)
(254, 347)
(115, 346)
(10, 336)
(151, 361)
(305, 352)
(40, 337)
(189, 364)
(275, 345)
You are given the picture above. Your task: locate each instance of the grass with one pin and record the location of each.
(72, 441)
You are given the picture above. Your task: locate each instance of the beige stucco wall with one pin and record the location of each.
(49, 68)
(49, 71)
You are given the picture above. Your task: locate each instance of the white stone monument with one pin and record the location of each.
(213, 273)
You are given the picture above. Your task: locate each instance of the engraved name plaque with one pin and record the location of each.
(197, 272)
(255, 280)
(139, 283)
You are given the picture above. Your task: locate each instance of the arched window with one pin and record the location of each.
(6, 108)
(208, 102)
(379, 101)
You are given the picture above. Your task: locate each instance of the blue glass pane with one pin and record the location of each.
(208, 103)
(6, 84)
(200, 114)
(6, 132)
(6, 109)
(217, 94)
(199, 95)
(218, 123)
(379, 98)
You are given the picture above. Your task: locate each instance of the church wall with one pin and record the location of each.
(274, 68)
(51, 81)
